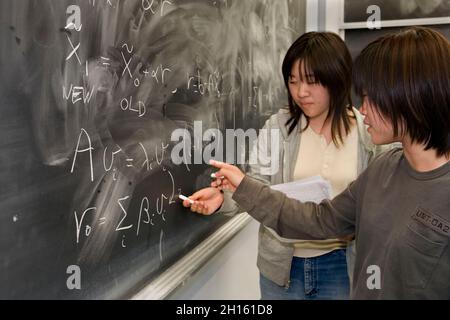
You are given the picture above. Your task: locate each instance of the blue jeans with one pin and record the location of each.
(320, 278)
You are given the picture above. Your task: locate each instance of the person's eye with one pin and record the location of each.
(311, 80)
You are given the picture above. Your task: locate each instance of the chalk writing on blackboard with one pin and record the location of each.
(90, 94)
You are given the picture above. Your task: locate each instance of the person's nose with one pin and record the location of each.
(363, 108)
(302, 90)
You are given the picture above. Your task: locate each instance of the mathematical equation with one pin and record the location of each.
(146, 215)
(208, 83)
(125, 74)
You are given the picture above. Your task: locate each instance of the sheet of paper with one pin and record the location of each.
(313, 189)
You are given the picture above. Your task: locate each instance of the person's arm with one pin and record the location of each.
(259, 170)
(291, 218)
(208, 202)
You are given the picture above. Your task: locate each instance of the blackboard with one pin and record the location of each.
(90, 92)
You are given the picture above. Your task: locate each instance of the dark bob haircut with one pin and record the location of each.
(406, 75)
(326, 57)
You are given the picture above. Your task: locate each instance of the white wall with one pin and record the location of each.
(231, 274)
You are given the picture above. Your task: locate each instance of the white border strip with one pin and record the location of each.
(397, 23)
(312, 15)
(337, 24)
(187, 266)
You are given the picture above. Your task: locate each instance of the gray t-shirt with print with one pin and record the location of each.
(401, 219)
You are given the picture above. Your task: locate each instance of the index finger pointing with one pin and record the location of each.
(219, 164)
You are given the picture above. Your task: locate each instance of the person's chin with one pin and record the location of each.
(308, 112)
(377, 139)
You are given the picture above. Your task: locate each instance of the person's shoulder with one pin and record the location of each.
(278, 120)
(388, 158)
(383, 166)
(283, 115)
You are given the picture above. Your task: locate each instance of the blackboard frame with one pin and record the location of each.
(173, 278)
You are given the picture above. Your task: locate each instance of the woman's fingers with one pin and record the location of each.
(217, 184)
(197, 195)
(199, 207)
(227, 172)
(220, 165)
(195, 207)
(205, 210)
(186, 203)
(228, 186)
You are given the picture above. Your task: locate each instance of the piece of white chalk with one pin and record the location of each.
(213, 175)
(186, 198)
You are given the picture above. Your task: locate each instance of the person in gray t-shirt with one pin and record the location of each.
(399, 208)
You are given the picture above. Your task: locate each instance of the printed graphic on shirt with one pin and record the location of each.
(432, 221)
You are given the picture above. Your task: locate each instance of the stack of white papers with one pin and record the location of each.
(313, 189)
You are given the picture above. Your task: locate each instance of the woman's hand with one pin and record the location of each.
(206, 201)
(229, 177)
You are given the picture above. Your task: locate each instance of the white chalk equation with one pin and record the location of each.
(205, 84)
(141, 81)
(115, 160)
(122, 74)
(152, 6)
(88, 221)
(156, 74)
